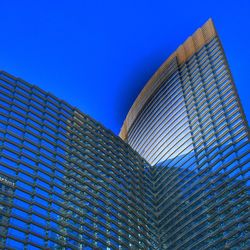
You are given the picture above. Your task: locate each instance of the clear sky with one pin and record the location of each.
(97, 55)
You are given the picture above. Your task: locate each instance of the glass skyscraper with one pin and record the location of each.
(179, 180)
(66, 181)
(188, 123)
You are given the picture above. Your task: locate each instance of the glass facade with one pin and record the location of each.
(192, 129)
(66, 182)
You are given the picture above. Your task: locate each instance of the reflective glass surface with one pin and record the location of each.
(66, 182)
(194, 132)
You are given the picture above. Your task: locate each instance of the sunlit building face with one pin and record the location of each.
(189, 124)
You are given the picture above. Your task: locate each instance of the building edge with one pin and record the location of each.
(192, 44)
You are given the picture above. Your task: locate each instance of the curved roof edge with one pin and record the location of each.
(193, 44)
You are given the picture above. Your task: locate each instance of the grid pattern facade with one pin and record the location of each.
(193, 131)
(65, 181)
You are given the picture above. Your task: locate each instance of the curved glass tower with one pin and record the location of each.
(66, 182)
(189, 124)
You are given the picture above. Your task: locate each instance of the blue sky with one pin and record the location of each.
(97, 55)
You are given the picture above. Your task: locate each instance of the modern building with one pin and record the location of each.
(179, 180)
(66, 181)
(188, 123)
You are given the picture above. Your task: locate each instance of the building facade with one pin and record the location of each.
(179, 181)
(188, 123)
(66, 181)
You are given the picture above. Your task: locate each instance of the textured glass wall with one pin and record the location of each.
(65, 181)
(68, 183)
(193, 130)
